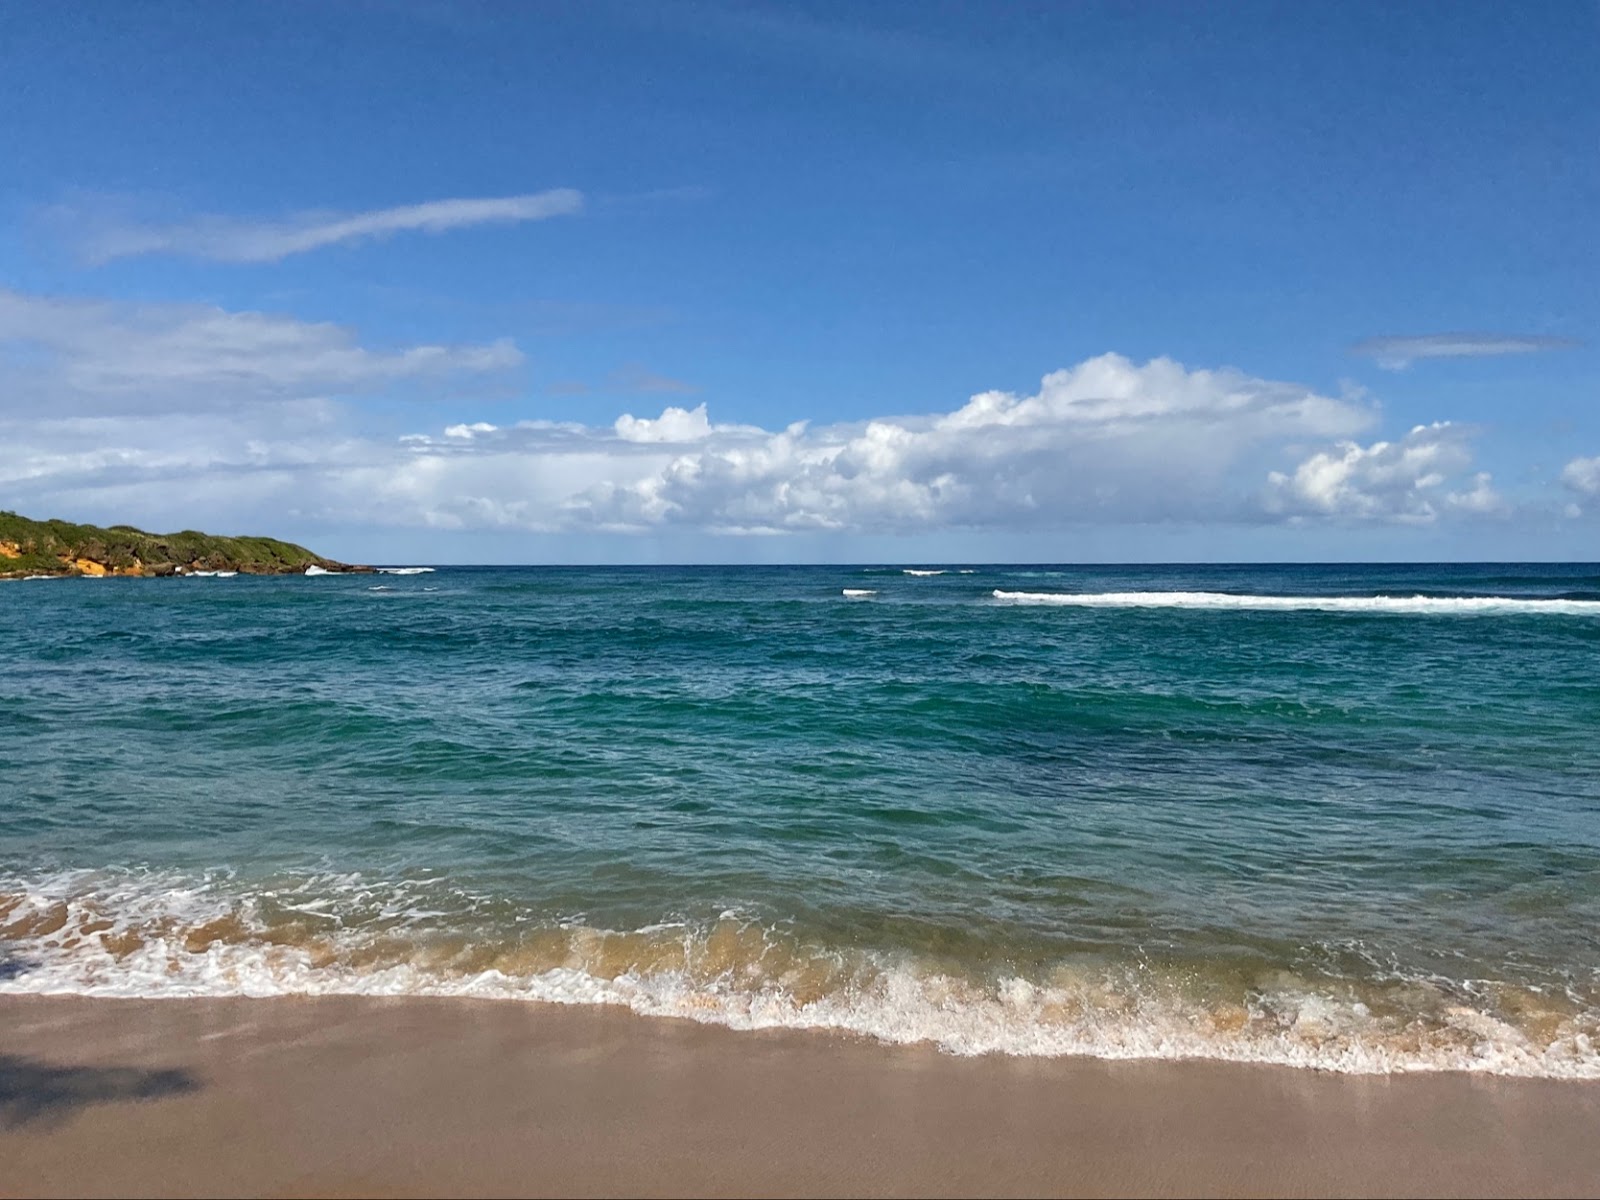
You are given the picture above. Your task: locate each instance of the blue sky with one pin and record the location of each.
(451, 282)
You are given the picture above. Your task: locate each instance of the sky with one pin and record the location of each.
(805, 282)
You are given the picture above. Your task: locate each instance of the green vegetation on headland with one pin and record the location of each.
(62, 548)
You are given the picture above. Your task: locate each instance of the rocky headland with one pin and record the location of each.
(34, 548)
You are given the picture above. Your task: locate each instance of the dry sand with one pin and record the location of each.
(340, 1096)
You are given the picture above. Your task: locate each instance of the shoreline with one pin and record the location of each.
(419, 1096)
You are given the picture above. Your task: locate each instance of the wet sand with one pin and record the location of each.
(413, 1097)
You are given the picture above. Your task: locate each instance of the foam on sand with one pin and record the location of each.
(1417, 605)
(155, 935)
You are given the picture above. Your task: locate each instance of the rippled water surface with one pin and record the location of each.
(1341, 816)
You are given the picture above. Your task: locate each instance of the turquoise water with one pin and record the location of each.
(1345, 817)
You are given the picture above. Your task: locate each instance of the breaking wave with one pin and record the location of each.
(1422, 605)
(132, 934)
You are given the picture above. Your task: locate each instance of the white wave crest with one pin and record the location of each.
(857, 593)
(1419, 605)
(313, 569)
(405, 570)
(912, 571)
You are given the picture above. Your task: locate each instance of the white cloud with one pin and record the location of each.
(673, 425)
(1481, 498)
(1403, 480)
(98, 356)
(1107, 442)
(1582, 475)
(227, 239)
(1398, 353)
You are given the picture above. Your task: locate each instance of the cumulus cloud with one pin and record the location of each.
(1582, 475)
(228, 239)
(1398, 353)
(98, 356)
(1108, 441)
(1403, 480)
(673, 425)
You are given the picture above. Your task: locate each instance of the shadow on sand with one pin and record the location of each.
(32, 1091)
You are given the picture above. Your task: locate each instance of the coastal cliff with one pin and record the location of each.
(30, 547)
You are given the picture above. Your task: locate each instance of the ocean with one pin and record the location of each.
(1342, 817)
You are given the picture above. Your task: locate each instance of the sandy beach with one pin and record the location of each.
(412, 1097)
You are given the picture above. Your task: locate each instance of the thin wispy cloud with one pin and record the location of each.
(230, 239)
(1398, 353)
(860, 44)
(83, 356)
(635, 378)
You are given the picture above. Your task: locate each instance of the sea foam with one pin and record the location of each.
(157, 936)
(1421, 605)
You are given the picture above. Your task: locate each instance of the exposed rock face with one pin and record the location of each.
(30, 547)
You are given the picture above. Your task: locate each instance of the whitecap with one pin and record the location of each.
(1415, 605)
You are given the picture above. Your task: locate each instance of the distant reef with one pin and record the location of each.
(62, 548)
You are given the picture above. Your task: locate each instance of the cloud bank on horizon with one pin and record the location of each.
(155, 408)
